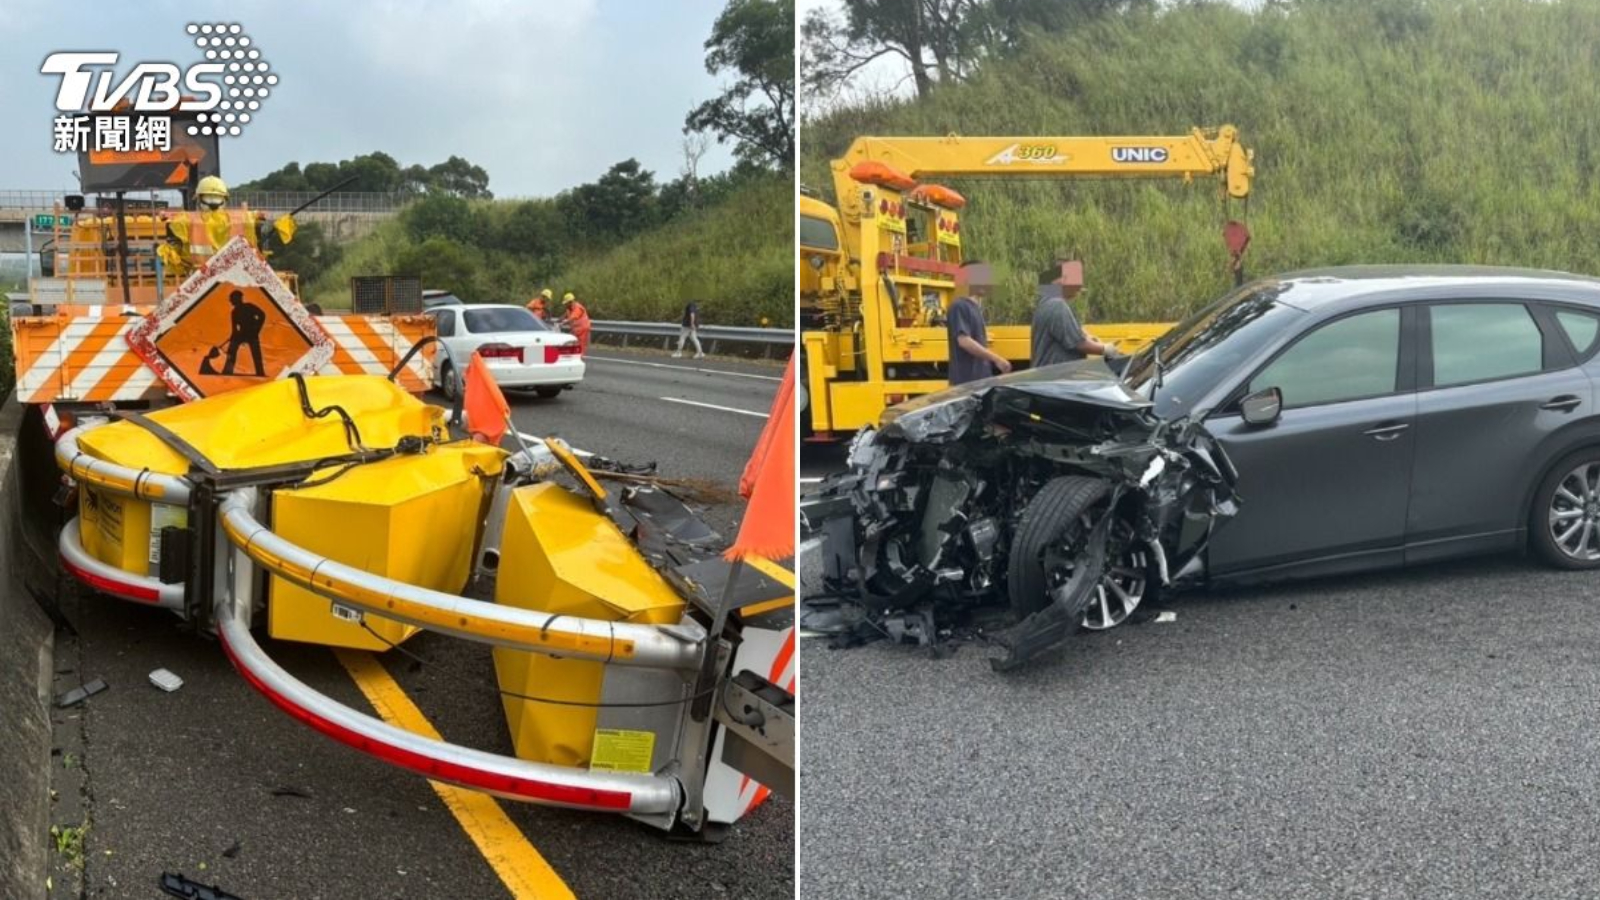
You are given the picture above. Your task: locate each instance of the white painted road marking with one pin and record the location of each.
(635, 362)
(742, 412)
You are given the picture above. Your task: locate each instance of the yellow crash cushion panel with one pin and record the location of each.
(411, 518)
(257, 426)
(559, 555)
(264, 425)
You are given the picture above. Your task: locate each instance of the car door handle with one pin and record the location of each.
(1387, 432)
(1565, 403)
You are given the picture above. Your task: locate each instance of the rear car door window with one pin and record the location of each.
(1484, 342)
(1581, 328)
(1347, 359)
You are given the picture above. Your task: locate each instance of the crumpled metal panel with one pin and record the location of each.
(936, 494)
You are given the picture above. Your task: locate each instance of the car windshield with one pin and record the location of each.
(487, 319)
(1204, 348)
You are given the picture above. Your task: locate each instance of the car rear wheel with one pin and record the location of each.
(1565, 522)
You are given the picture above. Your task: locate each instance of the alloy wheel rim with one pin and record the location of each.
(1122, 585)
(1574, 514)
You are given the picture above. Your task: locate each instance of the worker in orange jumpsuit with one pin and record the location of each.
(577, 321)
(538, 306)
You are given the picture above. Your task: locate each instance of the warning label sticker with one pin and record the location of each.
(616, 750)
(111, 519)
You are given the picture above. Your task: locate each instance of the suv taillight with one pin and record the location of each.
(553, 352)
(500, 351)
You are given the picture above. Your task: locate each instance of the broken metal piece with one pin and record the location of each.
(179, 886)
(80, 693)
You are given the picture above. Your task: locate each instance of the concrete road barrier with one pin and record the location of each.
(26, 644)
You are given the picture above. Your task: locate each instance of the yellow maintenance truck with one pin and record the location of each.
(878, 268)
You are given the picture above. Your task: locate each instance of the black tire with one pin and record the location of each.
(1586, 512)
(548, 393)
(1049, 514)
(447, 381)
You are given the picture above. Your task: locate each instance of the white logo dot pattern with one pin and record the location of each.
(227, 42)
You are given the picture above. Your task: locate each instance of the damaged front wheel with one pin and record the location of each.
(1047, 549)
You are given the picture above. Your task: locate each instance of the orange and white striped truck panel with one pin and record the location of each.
(84, 357)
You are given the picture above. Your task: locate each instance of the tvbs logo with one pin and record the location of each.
(150, 87)
(222, 91)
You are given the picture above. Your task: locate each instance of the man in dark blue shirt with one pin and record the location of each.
(970, 356)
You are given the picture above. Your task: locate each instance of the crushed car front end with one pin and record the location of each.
(1041, 502)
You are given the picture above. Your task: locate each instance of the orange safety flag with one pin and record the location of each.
(769, 482)
(488, 413)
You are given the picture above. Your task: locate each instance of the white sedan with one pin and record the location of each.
(520, 350)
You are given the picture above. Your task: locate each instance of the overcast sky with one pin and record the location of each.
(544, 94)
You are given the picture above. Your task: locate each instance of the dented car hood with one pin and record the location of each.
(946, 415)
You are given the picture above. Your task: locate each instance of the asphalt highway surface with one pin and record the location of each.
(1424, 733)
(215, 783)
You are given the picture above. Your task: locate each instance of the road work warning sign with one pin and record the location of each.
(232, 324)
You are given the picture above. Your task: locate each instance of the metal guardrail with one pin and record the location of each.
(710, 335)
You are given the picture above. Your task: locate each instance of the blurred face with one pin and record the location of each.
(212, 201)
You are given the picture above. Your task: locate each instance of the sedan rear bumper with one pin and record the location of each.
(509, 373)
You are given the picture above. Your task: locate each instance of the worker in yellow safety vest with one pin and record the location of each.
(192, 237)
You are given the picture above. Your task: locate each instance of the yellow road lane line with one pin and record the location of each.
(771, 569)
(524, 871)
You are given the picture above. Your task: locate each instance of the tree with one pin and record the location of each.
(414, 180)
(308, 255)
(755, 39)
(373, 173)
(939, 41)
(441, 263)
(378, 172)
(622, 203)
(440, 215)
(459, 178)
(288, 178)
(929, 36)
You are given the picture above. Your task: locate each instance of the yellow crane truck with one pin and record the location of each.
(877, 270)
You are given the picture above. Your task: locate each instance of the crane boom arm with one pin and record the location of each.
(1200, 153)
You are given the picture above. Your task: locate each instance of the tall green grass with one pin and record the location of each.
(1385, 131)
(735, 258)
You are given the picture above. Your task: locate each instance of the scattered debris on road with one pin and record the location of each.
(80, 693)
(165, 680)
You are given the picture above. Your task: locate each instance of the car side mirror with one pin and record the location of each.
(1263, 407)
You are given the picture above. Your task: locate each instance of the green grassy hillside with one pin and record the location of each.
(1384, 131)
(736, 258)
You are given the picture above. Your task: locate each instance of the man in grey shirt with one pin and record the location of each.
(1056, 336)
(970, 356)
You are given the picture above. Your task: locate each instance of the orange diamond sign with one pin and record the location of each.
(231, 324)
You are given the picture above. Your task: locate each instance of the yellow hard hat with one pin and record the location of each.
(546, 293)
(568, 297)
(212, 184)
